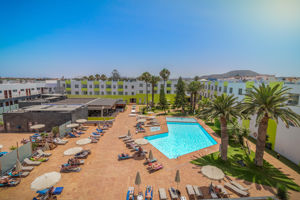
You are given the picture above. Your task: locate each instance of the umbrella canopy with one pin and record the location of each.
(72, 151)
(138, 180)
(177, 177)
(151, 117)
(37, 126)
(150, 112)
(81, 121)
(84, 141)
(150, 155)
(46, 147)
(141, 141)
(74, 125)
(18, 165)
(45, 181)
(212, 172)
(141, 120)
(1, 146)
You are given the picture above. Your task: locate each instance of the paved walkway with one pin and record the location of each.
(104, 177)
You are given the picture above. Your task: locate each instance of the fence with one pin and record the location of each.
(63, 130)
(8, 161)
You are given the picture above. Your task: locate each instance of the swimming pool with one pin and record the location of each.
(182, 138)
(180, 119)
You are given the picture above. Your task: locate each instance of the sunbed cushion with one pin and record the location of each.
(162, 193)
(190, 190)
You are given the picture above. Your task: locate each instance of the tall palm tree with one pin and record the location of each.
(97, 76)
(154, 80)
(164, 74)
(91, 78)
(146, 77)
(194, 87)
(103, 77)
(268, 103)
(225, 108)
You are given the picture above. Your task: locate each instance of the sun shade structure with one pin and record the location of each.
(37, 126)
(150, 155)
(138, 180)
(81, 121)
(74, 125)
(84, 141)
(45, 181)
(141, 141)
(72, 151)
(212, 172)
(177, 178)
(141, 120)
(129, 134)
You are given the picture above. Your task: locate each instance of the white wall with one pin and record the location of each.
(288, 142)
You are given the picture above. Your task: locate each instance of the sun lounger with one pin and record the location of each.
(12, 183)
(56, 191)
(59, 141)
(173, 193)
(162, 194)
(95, 135)
(27, 168)
(130, 193)
(198, 191)
(65, 168)
(236, 190)
(19, 174)
(123, 136)
(128, 141)
(41, 153)
(149, 193)
(223, 191)
(190, 190)
(127, 138)
(124, 157)
(31, 163)
(236, 184)
(71, 135)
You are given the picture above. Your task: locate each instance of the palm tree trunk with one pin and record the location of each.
(152, 95)
(224, 138)
(147, 94)
(192, 98)
(195, 101)
(261, 141)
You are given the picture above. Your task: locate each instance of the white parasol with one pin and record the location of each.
(141, 141)
(74, 125)
(212, 172)
(72, 151)
(37, 126)
(84, 141)
(81, 121)
(141, 120)
(45, 181)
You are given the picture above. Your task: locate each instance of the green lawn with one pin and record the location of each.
(268, 175)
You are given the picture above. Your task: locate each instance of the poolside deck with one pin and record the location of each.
(104, 177)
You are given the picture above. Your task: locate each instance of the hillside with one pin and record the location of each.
(231, 74)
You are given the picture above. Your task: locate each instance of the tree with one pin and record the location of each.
(146, 77)
(103, 77)
(85, 77)
(162, 100)
(196, 78)
(97, 76)
(164, 74)
(115, 75)
(225, 108)
(154, 80)
(204, 103)
(268, 103)
(55, 131)
(180, 100)
(91, 78)
(194, 87)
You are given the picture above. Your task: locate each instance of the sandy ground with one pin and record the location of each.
(104, 177)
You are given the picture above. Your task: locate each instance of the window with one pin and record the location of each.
(90, 86)
(96, 86)
(114, 93)
(120, 93)
(141, 91)
(168, 92)
(240, 91)
(220, 89)
(76, 86)
(68, 86)
(0, 91)
(126, 93)
(230, 90)
(38, 88)
(91, 93)
(68, 92)
(102, 86)
(84, 86)
(84, 92)
(1, 104)
(15, 90)
(132, 93)
(141, 85)
(120, 86)
(77, 92)
(125, 86)
(32, 88)
(169, 85)
(114, 86)
(225, 89)
(132, 87)
(97, 93)
(108, 86)
(148, 85)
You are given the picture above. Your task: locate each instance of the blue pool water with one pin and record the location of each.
(180, 119)
(181, 139)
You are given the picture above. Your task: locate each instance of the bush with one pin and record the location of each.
(34, 146)
(217, 123)
(13, 148)
(282, 192)
(55, 130)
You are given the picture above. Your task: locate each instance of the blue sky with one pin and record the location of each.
(73, 38)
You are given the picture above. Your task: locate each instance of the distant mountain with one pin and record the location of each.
(231, 74)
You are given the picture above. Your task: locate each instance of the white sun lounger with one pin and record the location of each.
(173, 193)
(198, 191)
(190, 190)
(41, 153)
(236, 184)
(236, 190)
(59, 141)
(31, 163)
(162, 194)
(27, 168)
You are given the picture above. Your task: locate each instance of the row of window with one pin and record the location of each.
(114, 86)
(113, 93)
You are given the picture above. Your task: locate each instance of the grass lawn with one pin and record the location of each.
(268, 175)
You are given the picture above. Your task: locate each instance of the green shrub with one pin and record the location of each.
(55, 130)
(217, 123)
(13, 148)
(282, 192)
(34, 146)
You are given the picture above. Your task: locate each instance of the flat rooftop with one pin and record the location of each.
(75, 101)
(90, 102)
(50, 107)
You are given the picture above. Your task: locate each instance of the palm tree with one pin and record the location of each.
(146, 76)
(103, 77)
(85, 77)
(268, 103)
(164, 74)
(91, 78)
(97, 76)
(154, 80)
(204, 103)
(225, 108)
(194, 87)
